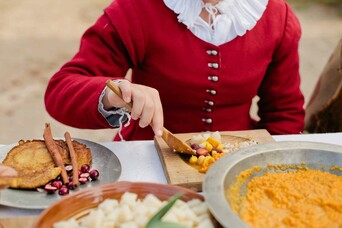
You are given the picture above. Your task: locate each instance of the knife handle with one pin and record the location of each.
(116, 89)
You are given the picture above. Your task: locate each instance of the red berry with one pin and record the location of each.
(63, 191)
(68, 168)
(50, 189)
(71, 186)
(83, 180)
(58, 184)
(85, 168)
(85, 175)
(94, 174)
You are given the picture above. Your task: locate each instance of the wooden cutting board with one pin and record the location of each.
(178, 172)
(18, 222)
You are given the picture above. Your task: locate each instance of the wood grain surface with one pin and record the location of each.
(18, 222)
(178, 172)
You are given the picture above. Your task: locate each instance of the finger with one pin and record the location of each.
(125, 87)
(128, 75)
(126, 90)
(7, 171)
(158, 118)
(139, 97)
(112, 100)
(147, 112)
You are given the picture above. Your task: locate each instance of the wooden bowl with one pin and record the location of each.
(78, 205)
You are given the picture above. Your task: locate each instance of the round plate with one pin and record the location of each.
(79, 204)
(103, 159)
(223, 172)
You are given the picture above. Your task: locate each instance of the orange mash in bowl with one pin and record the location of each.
(301, 198)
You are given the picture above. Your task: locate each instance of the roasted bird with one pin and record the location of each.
(34, 163)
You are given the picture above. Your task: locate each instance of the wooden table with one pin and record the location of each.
(18, 222)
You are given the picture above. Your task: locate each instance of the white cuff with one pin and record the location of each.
(116, 116)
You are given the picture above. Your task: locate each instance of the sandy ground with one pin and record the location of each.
(37, 37)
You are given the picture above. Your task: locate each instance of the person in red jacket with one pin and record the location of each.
(195, 66)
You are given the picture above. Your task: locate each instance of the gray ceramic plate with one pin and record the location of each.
(223, 172)
(104, 160)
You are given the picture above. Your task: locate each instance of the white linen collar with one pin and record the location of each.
(235, 19)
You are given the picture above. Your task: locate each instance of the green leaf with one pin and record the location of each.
(155, 221)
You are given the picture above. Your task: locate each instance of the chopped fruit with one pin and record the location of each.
(63, 191)
(208, 146)
(94, 174)
(195, 146)
(213, 142)
(193, 160)
(83, 180)
(50, 189)
(85, 168)
(202, 151)
(58, 184)
(71, 186)
(68, 168)
(85, 175)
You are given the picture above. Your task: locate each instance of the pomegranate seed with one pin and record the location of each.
(83, 180)
(68, 168)
(85, 168)
(63, 191)
(85, 175)
(79, 173)
(58, 184)
(50, 189)
(94, 174)
(71, 186)
(70, 179)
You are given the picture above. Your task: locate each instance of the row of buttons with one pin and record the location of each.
(212, 78)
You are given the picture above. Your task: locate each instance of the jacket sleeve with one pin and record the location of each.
(73, 93)
(281, 100)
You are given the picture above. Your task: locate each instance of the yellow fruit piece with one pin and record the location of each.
(213, 142)
(213, 153)
(208, 161)
(200, 160)
(208, 146)
(219, 147)
(193, 160)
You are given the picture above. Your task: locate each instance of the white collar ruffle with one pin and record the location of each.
(235, 19)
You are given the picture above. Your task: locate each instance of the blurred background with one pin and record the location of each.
(37, 37)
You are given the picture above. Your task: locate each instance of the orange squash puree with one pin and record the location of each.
(303, 198)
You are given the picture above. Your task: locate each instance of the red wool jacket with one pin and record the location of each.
(203, 87)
